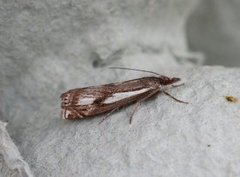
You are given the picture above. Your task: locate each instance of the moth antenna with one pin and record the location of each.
(141, 70)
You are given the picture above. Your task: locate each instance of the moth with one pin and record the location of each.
(91, 101)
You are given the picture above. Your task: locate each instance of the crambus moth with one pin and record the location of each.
(91, 101)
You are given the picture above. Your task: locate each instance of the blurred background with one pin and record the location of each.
(214, 29)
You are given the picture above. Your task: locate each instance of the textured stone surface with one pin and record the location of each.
(166, 138)
(50, 47)
(11, 162)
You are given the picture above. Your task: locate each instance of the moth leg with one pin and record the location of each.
(139, 102)
(134, 110)
(108, 114)
(174, 98)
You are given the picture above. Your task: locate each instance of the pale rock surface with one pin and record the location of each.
(48, 47)
(166, 138)
(11, 162)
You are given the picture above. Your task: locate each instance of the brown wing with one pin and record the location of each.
(91, 101)
(95, 109)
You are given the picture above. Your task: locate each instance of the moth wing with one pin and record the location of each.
(116, 100)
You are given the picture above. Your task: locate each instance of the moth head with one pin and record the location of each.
(164, 80)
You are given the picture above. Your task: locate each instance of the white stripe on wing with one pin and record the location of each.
(121, 95)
